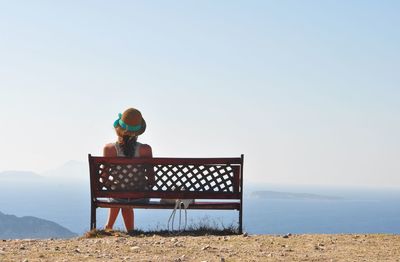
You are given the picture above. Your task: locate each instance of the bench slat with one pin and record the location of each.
(157, 205)
(168, 161)
(169, 195)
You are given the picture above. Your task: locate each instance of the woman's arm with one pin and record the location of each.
(109, 150)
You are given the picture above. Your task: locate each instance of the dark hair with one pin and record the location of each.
(128, 145)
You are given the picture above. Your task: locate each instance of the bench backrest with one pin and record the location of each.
(200, 178)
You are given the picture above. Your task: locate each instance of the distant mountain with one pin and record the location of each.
(71, 171)
(19, 175)
(13, 227)
(264, 194)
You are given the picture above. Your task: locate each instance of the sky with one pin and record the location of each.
(308, 91)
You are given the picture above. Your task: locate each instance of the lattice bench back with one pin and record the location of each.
(208, 178)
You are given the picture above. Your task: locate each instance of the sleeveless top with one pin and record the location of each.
(128, 177)
(120, 152)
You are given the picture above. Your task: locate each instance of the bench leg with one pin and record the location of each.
(93, 217)
(240, 222)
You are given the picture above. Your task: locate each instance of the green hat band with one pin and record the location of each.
(126, 126)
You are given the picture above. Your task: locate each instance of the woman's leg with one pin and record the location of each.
(112, 216)
(127, 214)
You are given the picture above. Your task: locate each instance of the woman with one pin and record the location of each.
(128, 127)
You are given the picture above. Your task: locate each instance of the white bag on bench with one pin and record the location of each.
(178, 204)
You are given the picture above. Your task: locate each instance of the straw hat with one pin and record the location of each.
(131, 121)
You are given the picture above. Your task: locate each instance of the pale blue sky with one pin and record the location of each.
(307, 90)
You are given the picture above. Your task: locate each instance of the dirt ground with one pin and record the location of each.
(120, 247)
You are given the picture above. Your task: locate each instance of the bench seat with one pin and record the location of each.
(155, 204)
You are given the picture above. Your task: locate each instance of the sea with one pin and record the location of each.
(348, 210)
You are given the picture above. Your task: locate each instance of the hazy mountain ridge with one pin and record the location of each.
(265, 194)
(70, 170)
(13, 227)
(15, 174)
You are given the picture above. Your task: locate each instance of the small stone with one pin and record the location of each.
(135, 248)
(77, 250)
(180, 259)
(245, 234)
(206, 247)
(222, 259)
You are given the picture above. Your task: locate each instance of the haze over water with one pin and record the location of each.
(279, 209)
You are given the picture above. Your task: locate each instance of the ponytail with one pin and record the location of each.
(128, 145)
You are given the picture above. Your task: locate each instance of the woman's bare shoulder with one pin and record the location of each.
(145, 150)
(109, 150)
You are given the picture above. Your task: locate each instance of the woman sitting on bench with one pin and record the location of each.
(128, 127)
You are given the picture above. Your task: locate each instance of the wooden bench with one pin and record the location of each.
(214, 183)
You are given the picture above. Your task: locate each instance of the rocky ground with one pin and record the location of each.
(120, 247)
